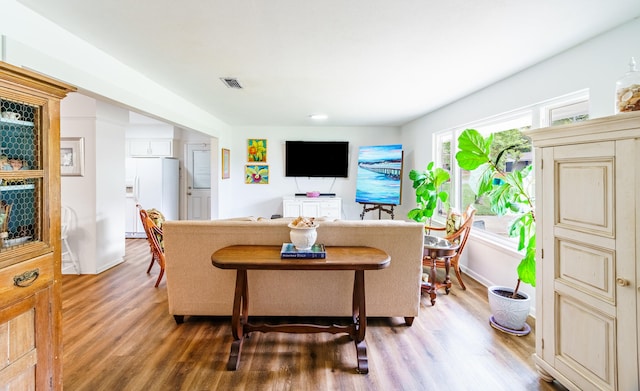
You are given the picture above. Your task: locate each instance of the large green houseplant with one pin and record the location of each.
(506, 192)
(428, 188)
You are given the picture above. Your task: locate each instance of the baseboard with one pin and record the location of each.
(108, 266)
(135, 235)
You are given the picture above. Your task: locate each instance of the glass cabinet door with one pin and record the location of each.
(21, 175)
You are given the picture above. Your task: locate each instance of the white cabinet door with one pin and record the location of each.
(291, 208)
(160, 148)
(312, 207)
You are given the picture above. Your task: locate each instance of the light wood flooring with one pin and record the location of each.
(118, 335)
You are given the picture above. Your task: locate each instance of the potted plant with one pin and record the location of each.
(506, 192)
(428, 188)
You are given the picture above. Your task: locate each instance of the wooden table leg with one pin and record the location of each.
(360, 321)
(447, 278)
(433, 280)
(238, 318)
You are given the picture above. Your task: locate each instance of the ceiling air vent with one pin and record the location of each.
(231, 82)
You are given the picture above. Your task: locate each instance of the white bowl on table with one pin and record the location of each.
(303, 238)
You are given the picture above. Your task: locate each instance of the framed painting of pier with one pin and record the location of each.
(379, 179)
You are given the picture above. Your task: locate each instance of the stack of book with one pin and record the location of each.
(290, 251)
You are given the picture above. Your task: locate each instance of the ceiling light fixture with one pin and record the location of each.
(318, 117)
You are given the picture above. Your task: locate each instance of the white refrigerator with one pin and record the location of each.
(152, 182)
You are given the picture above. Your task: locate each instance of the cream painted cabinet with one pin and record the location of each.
(588, 215)
(30, 275)
(312, 207)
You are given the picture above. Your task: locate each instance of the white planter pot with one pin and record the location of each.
(509, 313)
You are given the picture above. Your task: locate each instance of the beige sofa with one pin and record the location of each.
(196, 287)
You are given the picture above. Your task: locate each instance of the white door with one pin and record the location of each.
(198, 182)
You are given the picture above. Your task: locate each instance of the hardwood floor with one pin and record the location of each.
(118, 335)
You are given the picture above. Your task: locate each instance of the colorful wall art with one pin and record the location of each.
(226, 160)
(379, 179)
(256, 150)
(256, 174)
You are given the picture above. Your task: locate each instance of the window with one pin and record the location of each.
(565, 111)
(445, 159)
(507, 129)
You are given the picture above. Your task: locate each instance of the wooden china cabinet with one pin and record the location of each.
(30, 301)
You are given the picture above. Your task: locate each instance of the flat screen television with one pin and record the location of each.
(317, 159)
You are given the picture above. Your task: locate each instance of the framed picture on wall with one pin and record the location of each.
(72, 156)
(225, 163)
(256, 150)
(257, 174)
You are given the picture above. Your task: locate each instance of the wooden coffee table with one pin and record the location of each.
(243, 258)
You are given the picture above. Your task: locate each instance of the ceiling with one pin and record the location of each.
(361, 62)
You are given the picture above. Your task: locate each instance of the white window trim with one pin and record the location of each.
(539, 114)
(561, 101)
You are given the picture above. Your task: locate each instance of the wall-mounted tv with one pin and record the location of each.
(317, 159)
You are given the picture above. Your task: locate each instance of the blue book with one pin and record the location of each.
(316, 251)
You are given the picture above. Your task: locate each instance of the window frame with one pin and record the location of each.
(538, 115)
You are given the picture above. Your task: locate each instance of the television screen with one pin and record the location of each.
(317, 159)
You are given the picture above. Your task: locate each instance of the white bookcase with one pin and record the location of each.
(312, 207)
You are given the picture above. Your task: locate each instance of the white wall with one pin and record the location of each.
(37, 43)
(111, 122)
(97, 199)
(266, 200)
(79, 192)
(595, 65)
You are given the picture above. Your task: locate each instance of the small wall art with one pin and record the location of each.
(225, 163)
(72, 156)
(256, 150)
(256, 174)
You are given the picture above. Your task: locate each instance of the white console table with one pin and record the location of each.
(312, 206)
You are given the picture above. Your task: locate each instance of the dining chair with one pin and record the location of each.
(458, 236)
(155, 239)
(67, 255)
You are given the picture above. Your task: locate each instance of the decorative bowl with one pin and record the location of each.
(435, 242)
(303, 237)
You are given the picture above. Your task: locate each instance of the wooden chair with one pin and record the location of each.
(143, 219)
(460, 237)
(65, 223)
(5, 214)
(154, 237)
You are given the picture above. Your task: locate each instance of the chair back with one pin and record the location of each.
(65, 221)
(462, 234)
(5, 211)
(143, 218)
(155, 238)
